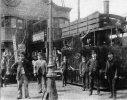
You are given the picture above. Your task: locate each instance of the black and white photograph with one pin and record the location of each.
(63, 49)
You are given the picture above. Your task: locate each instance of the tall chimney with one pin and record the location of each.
(106, 6)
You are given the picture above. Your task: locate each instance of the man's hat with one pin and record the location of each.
(110, 53)
(40, 54)
(22, 53)
(93, 52)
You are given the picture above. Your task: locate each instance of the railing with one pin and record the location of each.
(74, 77)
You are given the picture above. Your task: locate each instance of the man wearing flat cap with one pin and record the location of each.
(94, 73)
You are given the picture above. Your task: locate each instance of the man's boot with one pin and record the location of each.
(111, 96)
(90, 93)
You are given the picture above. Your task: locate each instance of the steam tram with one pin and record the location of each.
(101, 33)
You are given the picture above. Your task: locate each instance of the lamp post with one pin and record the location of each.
(51, 92)
(0, 40)
(0, 30)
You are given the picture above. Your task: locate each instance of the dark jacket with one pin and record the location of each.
(25, 64)
(64, 66)
(111, 69)
(93, 66)
(83, 68)
(3, 63)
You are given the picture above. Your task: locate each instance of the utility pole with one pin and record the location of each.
(0, 30)
(51, 92)
(0, 41)
(78, 10)
(78, 16)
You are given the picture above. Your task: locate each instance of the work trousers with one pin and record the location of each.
(3, 77)
(64, 77)
(41, 83)
(94, 77)
(85, 81)
(112, 85)
(23, 79)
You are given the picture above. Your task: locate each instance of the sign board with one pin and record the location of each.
(39, 36)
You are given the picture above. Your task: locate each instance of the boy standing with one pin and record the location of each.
(94, 73)
(83, 70)
(64, 66)
(23, 69)
(40, 67)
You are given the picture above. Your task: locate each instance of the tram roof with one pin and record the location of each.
(92, 23)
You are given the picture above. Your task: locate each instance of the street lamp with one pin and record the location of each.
(0, 31)
(0, 38)
(51, 92)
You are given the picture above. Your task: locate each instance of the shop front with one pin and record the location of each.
(38, 44)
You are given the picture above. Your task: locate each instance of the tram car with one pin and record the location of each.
(101, 33)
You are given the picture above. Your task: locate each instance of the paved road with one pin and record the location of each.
(70, 92)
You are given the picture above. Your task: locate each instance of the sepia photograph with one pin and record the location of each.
(63, 49)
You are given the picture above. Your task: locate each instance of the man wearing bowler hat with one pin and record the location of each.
(111, 74)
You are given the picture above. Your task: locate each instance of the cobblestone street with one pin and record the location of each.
(70, 92)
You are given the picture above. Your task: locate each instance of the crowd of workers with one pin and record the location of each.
(90, 72)
(88, 69)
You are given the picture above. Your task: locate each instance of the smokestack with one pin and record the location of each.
(106, 6)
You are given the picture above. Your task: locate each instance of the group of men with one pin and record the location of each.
(23, 68)
(90, 73)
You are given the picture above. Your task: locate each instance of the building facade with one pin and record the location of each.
(17, 25)
(60, 15)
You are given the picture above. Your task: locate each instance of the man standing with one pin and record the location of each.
(83, 70)
(64, 66)
(111, 73)
(40, 67)
(23, 69)
(94, 73)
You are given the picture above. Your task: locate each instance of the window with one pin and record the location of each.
(39, 26)
(7, 21)
(20, 24)
(2, 22)
(13, 23)
(56, 23)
